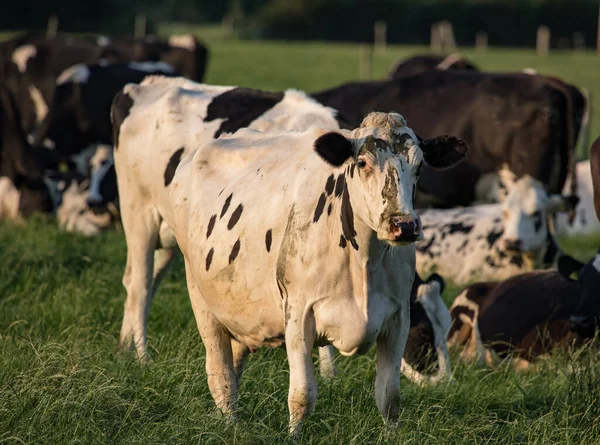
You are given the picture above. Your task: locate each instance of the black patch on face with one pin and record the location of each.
(347, 217)
(330, 184)
(329, 207)
(121, 106)
(401, 145)
(352, 167)
(269, 239)
(343, 242)
(234, 251)
(209, 258)
(459, 227)
(517, 260)
(226, 206)
(211, 225)
(240, 107)
(339, 185)
(320, 207)
(235, 217)
(172, 166)
(493, 237)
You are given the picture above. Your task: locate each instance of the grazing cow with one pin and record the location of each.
(517, 119)
(492, 241)
(340, 215)
(79, 115)
(421, 63)
(595, 171)
(525, 316)
(426, 347)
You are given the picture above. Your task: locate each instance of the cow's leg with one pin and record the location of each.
(162, 261)
(326, 365)
(390, 349)
(239, 353)
(141, 230)
(300, 332)
(219, 357)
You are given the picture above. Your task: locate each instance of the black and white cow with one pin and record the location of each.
(522, 120)
(493, 241)
(528, 315)
(79, 115)
(420, 63)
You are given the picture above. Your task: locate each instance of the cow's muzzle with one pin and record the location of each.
(405, 229)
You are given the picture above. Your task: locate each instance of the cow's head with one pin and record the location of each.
(586, 318)
(526, 208)
(383, 159)
(426, 348)
(103, 179)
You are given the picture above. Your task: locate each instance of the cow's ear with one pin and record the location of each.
(438, 279)
(443, 151)
(334, 148)
(560, 203)
(568, 265)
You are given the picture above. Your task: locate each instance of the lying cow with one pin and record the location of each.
(493, 241)
(330, 208)
(420, 63)
(522, 120)
(526, 316)
(426, 349)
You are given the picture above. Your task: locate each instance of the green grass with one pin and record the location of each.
(63, 380)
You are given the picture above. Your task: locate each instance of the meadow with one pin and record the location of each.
(64, 380)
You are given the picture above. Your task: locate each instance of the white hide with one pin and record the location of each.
(9, 199)
(21, 56)
(73, 214)
(79, 73)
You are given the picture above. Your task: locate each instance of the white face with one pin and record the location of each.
(382, 182)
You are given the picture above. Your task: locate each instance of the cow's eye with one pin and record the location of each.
(361, 163)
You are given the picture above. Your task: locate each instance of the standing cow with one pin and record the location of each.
(325, 193)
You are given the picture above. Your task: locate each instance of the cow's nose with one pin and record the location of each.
(513, 245)
(93, 202)
(405, 228)
(580, 322)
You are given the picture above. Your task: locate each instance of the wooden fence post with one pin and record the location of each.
(447, 36)
(436, 40)
(52, 29)
(139, 30)
(366, 61)
(542, 46)
(380, 36)
(481, 42)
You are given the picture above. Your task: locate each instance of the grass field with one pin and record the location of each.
(63, 380)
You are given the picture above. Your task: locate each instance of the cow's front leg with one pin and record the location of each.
(390, 349)
(300, 332)
(219, 357)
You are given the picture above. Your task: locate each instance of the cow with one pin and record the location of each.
(523, 317)
(513, 118)
(493, 241)
(79, 114)
(426, 349)
(420, 63)
(156, 208)
(595, 172)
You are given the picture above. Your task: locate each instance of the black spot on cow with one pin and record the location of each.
(424, 248)
(226, 206)
(339, 185)
(492, 237)
(329, 207)
(343, 242)
(490, 261)
(403, 143)
(320, 207)
(352, 167)
(459, 227)
(269, 239)
(501, 254)
(209, 258)
(463, 245)
(235, 216)
(330, 184)
(172, 166)
(234, 251)
(239, 107)
(517, 260)
(121, 106)
(347, 218)
(211, 225)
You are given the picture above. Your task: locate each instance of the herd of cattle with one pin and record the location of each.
(306, 219)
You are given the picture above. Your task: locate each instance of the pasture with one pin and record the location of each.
(63, 379)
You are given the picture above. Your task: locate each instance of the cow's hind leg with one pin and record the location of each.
(240, 354)
(326, 364)
(220, 369)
